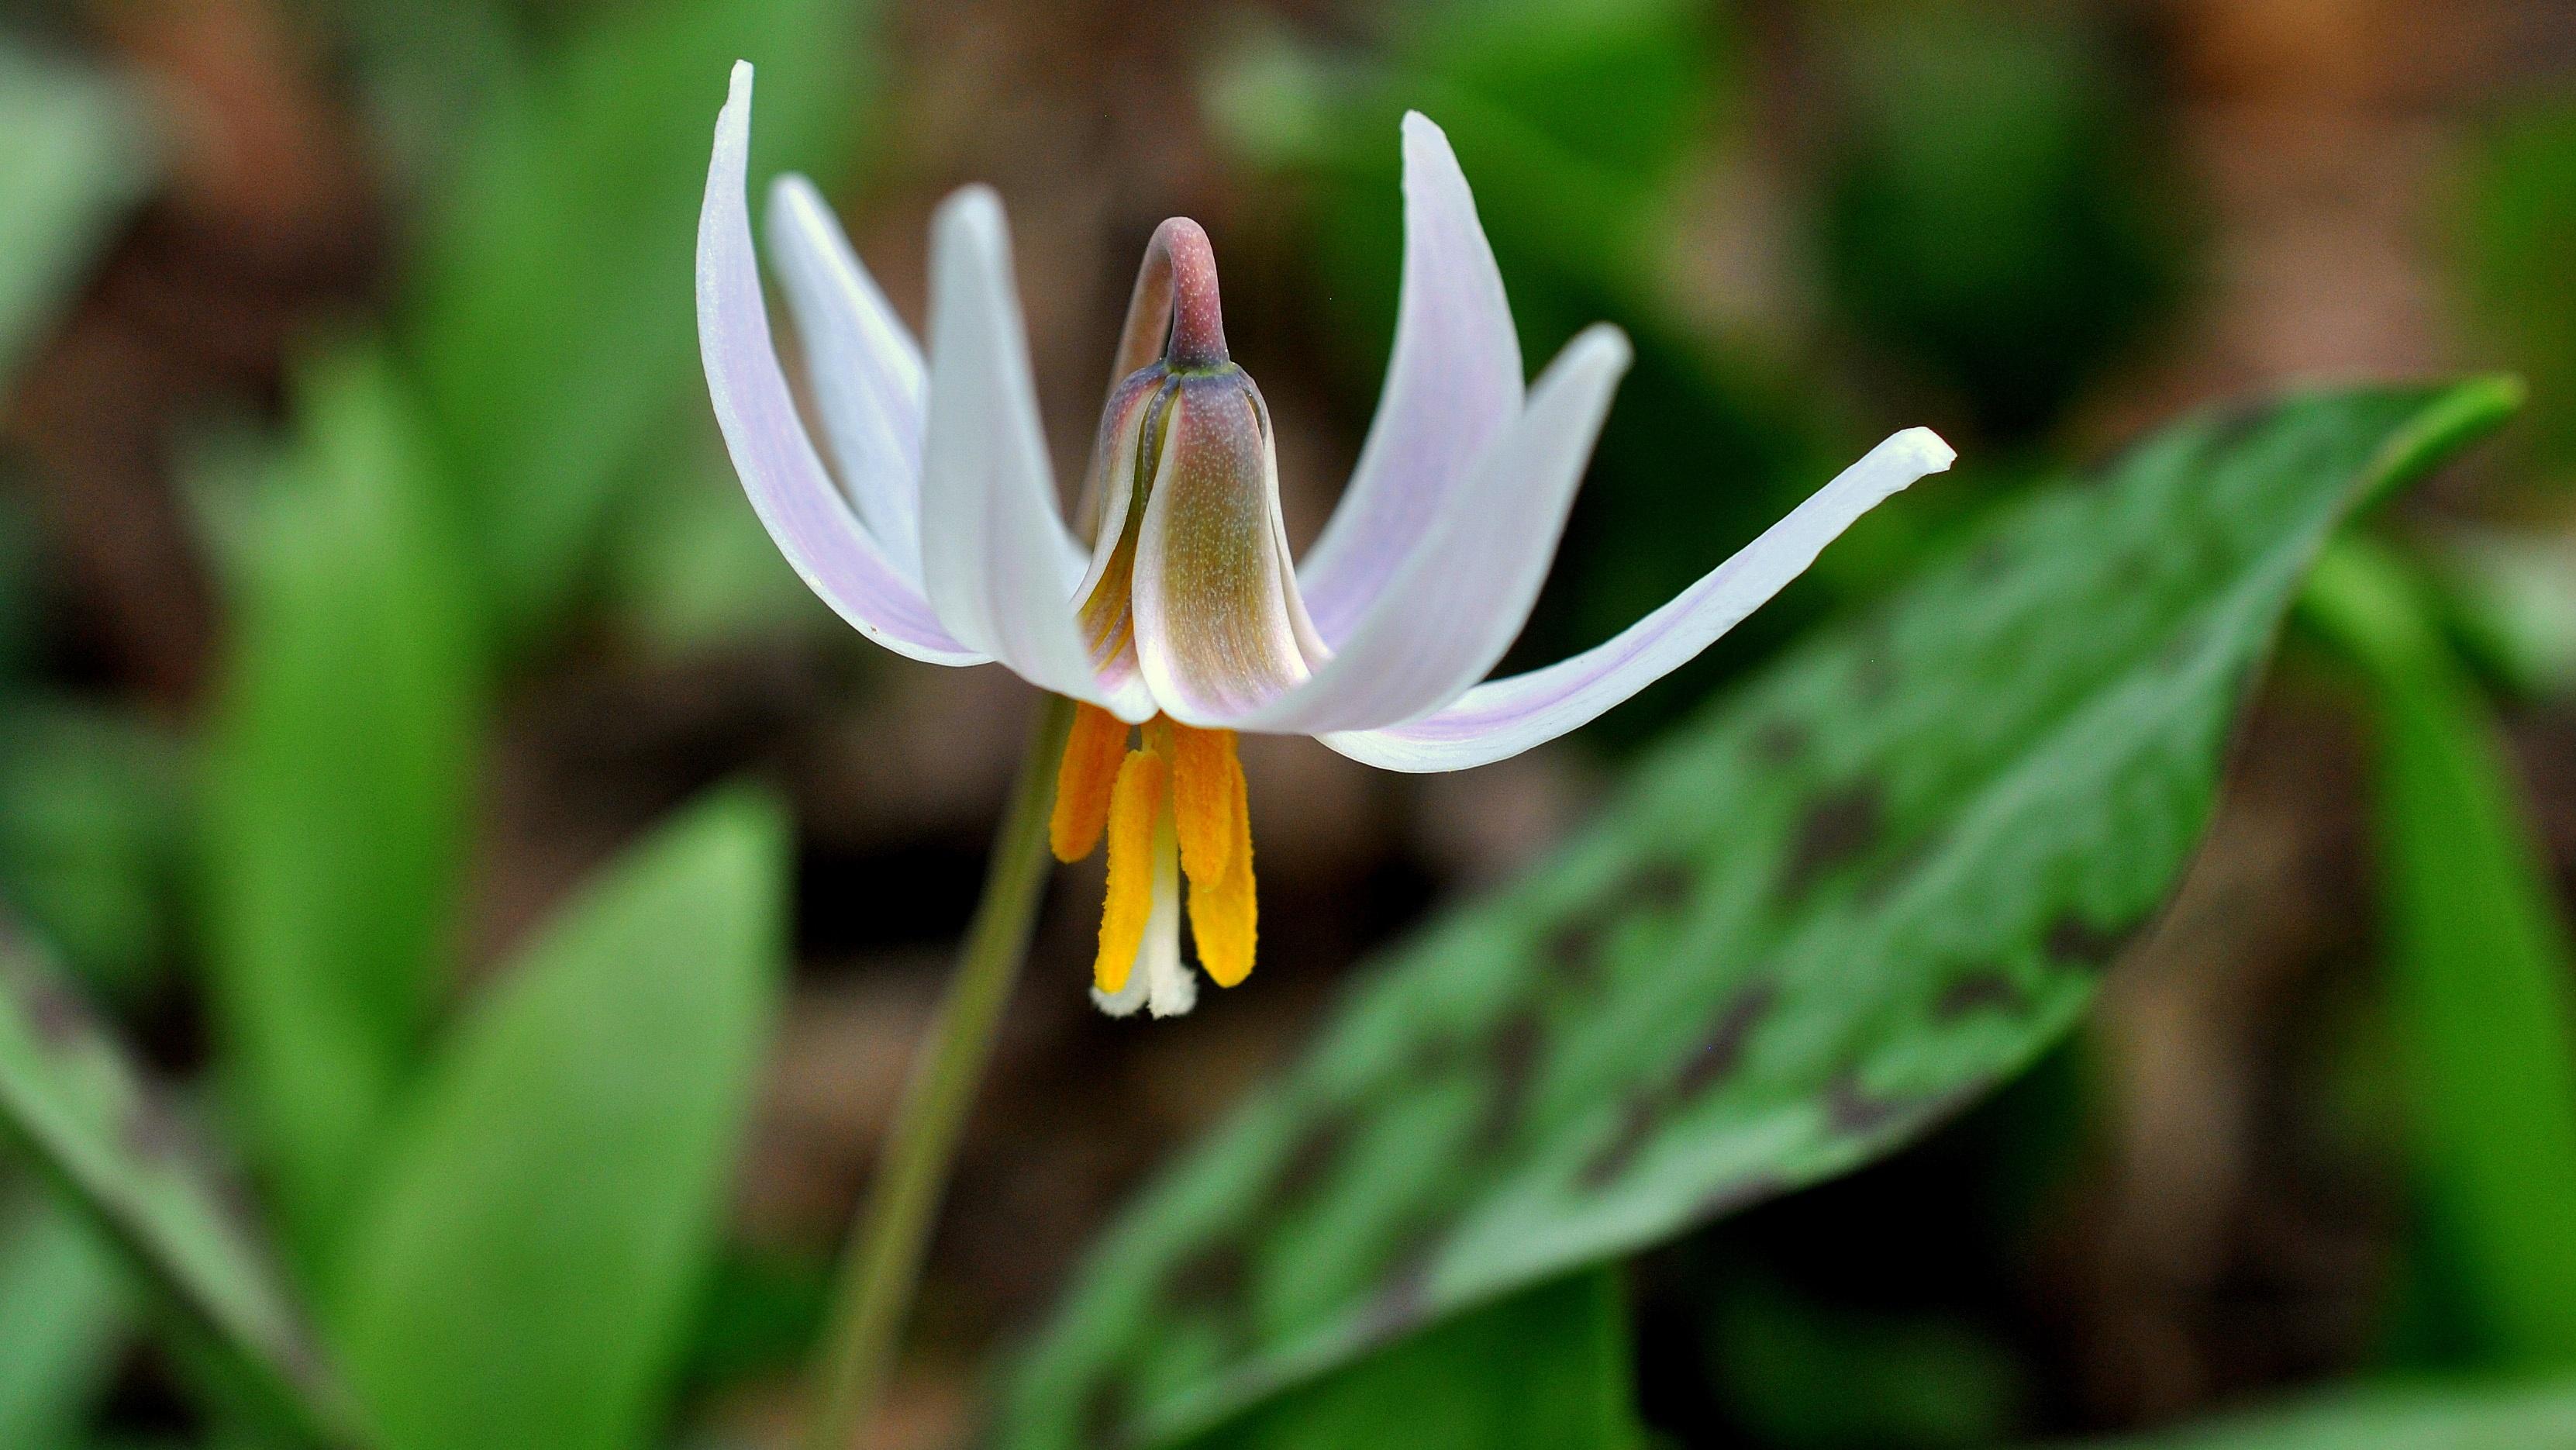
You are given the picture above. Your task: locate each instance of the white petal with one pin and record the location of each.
(995, 556)
(1455, 606)
(1505, 717)
(1453, 384)
(806, 516)
(867, 370)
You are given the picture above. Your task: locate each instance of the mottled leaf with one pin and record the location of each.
(1855, 896)
(2479, 967)
(338, 780)
(2495, 1417)
(551, 321)
(116, 1145)
(524, 1270)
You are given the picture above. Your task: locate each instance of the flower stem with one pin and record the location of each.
(882, 1267)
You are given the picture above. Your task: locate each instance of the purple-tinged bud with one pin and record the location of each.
(1190, 579)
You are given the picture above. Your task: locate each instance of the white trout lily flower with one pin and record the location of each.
(937, 531)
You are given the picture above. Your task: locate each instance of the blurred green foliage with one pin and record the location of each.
(340, 779)
(1997, 215)
(2516, 218)
(1807, 1378)
(118, 1147)
(68, 1301)
(2510, 597)
(94, 837)
(1546, 1369)
(2415, 1417)
(550, 321)
(522, 1268)
(509, 1221)
(2480, 969)
(79, 154)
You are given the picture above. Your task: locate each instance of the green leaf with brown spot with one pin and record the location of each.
(1853, 897)
(69, 1091)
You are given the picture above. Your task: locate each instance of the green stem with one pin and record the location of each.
(882, 1268)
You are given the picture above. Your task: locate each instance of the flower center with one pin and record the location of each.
(1190, 583)
(1174, 807)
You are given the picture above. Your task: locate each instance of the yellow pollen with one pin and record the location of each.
(1207, 793)
(1214, 822)
(1134, 803)
(1092, 756)
(1185, 780)
(1224, 912)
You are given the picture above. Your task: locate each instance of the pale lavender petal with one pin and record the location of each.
(999, 565)
(866, 369)
(806, 516)
(1449, 613)
(1453, 384)
(1502, 718)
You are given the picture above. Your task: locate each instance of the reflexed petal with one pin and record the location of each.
(1505, 717)
(1214, 631)
(866, 369)
(806, 516)
(1453, 384)
(1447, 616)
(995, 557)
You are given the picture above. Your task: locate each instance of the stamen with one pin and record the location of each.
(1135, 803)
(1093, 753)
(1213, 818)
(1206, 795)
(1224, 914)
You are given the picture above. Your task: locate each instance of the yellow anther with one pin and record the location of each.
(1207, 798)
(1224, 913)
(1092, 754)
(1134, 801)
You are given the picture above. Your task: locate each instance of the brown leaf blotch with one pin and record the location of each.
(1838, 827)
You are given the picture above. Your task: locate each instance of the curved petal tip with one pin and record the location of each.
(1926, 448)
(971, 212)
(1604, 346)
